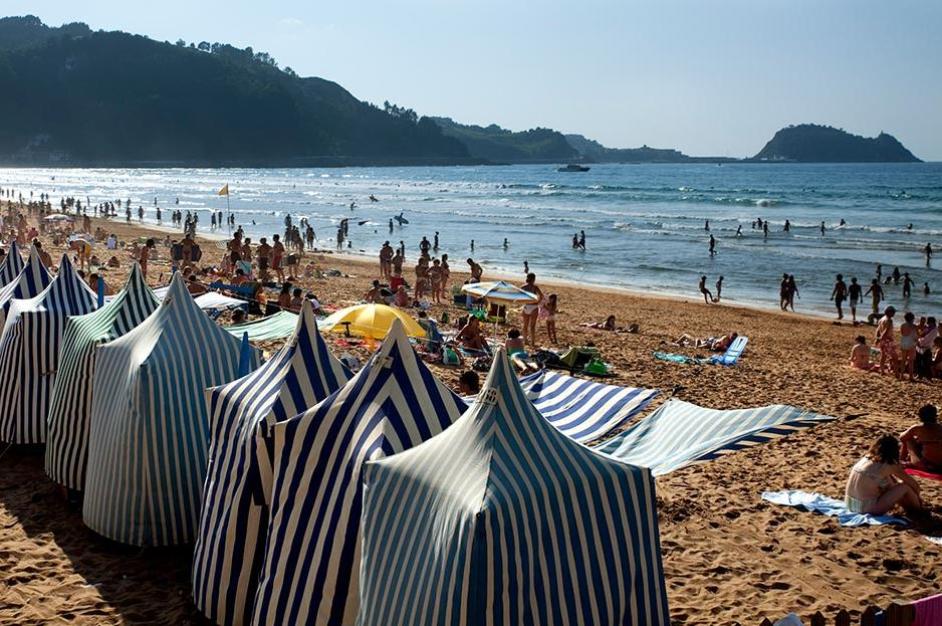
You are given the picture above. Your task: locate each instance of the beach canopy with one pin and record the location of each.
(371, 320)
(149, 428)
(500, 292)
(583, 409)
(504, 520)
(233, 522)
(678, 433)
(12, 265)
(58, 217)
(212, 302)
(70, 406)
(32, 279)
(29, 353)
(276, 326)
(312, 567)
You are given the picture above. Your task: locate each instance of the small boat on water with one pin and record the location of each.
(572, 167)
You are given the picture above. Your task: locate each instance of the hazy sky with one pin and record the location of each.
(710, 77)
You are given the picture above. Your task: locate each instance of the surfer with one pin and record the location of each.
(373, 198)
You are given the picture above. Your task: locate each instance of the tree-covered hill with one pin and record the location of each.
(538, 145)
(74, 96)
(811, 143)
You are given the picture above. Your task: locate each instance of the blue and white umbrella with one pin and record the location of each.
(500, 292)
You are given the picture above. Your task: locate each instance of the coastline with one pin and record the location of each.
(729, 557)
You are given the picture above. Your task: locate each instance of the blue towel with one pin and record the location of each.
(828, 506)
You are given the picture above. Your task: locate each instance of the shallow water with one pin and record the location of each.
(644, 224)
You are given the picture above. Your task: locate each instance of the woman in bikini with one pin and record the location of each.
(887, 342)
(907, 346)
(922, 444)
(878, 482)
(531, 312)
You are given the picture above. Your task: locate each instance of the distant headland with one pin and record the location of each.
(78, 97)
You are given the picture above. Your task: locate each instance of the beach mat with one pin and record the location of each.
(824, 505)
(923, 474)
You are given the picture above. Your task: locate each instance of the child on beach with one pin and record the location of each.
(860, 355)
(548, 313)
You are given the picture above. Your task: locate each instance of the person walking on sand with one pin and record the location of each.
(719, 289)
(907, 346)
(712, 246)
(531, 312)
(854, 292)
(838, 295)
(886, 341)
(707, 296)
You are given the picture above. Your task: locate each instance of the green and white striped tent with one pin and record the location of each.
(233, 522)
(312, 567)
(504, 520)
(149, 427)
(67, 441)
(12, 265)
(32, 279)
(29, 353)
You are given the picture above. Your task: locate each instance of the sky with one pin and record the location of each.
(708, 77)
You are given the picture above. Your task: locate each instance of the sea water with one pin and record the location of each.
(644, 224)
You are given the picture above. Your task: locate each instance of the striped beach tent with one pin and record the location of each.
(149, 428)
(29, 353)
(276, 326)
(583, 409)
(504, 520)
(12, 265)
(32, 279)
(311, 568)
(70, 407)
(678, 433)
(231, 535)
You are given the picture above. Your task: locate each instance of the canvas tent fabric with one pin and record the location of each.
(32, 279)
(678, 433)
(29, 353)
(149, 428)
(12, 265)
(227, 555)
(276, 326)
(583, 409)
(504, 520)
(70, 406)
(312, 566)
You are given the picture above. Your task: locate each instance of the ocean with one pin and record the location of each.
(644, 224)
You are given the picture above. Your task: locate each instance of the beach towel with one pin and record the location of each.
(912, 471)
(928, 611)
(818, 503)
(676, 358)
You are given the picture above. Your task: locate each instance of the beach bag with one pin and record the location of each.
(450, 357)
(176, 252)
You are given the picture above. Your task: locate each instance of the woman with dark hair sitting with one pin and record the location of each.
(922, 444)
(878, 483)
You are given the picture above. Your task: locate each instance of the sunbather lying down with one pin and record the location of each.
(715, 344)
(609, 325)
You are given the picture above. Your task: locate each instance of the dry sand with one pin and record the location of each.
(729, 557)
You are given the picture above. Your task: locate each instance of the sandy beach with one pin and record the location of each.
(729, 557)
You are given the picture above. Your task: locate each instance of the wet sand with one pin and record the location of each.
(729, 557)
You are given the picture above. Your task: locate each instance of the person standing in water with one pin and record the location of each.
(739, 231)
(783, 293)
(712, 246)
(907, 285)
(765, 229)
(854, 292)
(792, 291)
(875, 291)
(706, 225)
(719, 289)
(838, 294)
(822, 227)
(787, 227)
(707, 296)
(582, 239)
(928, 251)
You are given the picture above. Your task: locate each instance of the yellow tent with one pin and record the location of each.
(370, 320)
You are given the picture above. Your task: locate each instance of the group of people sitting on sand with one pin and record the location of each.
(879, 481)
(917, 354)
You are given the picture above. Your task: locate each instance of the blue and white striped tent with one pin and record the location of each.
(678, 433)
(32, 279)
(504, 520)
(149, 428)
(312, 566)
(233, 522)
(583, 409)
(70, 407)
(12, 265)
(29, 353)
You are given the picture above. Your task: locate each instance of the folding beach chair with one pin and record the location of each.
(732, 354)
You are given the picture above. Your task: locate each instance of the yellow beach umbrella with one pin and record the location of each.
(370, 320)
